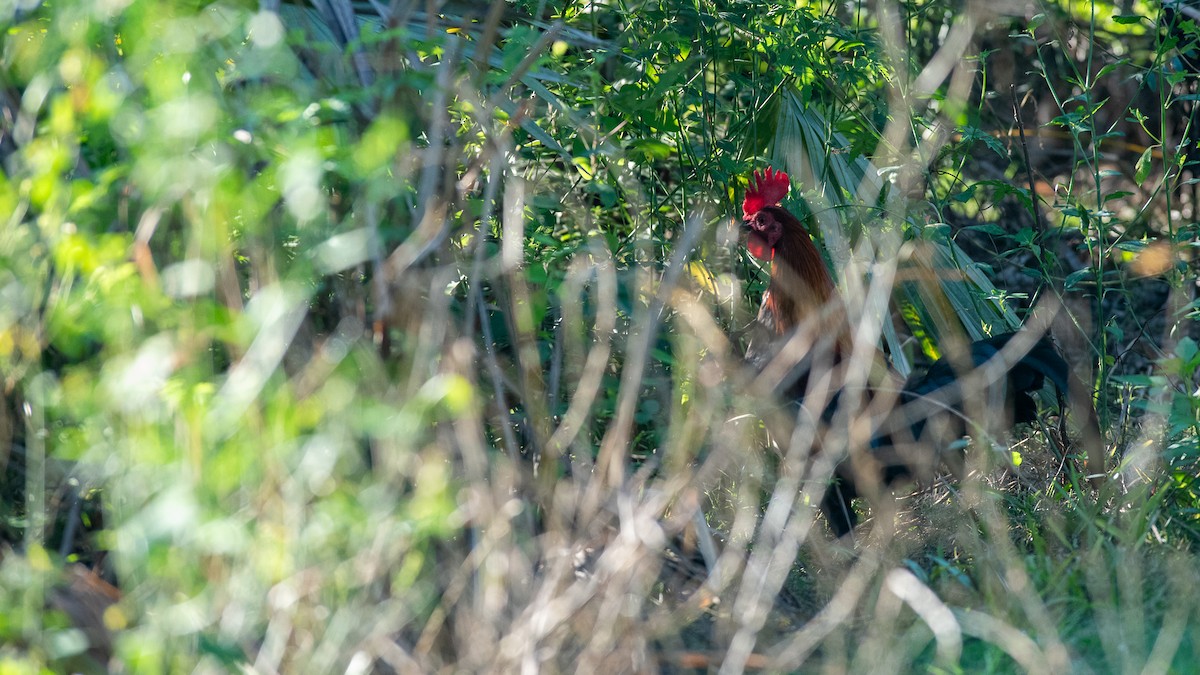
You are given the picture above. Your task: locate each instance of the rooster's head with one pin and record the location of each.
(767, 189)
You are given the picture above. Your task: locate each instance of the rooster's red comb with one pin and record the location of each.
(767, 188)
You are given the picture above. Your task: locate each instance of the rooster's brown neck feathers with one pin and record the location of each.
(801, 287)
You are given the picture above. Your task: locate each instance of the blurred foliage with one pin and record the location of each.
(328, 332)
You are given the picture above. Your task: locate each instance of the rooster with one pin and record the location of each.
(801, 300)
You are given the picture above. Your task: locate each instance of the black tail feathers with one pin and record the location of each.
(933, 401)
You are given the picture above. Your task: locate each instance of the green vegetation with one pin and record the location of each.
(363, 336)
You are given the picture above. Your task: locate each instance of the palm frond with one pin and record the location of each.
(845, 185)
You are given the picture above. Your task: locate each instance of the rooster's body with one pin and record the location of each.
(930, 415)
(801, 305)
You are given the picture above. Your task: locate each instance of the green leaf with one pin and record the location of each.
(1074, 279)
(650, 150)
(971, 134)
(1142, 168)
(988, 228)
(1187, 351)
(1137, 380)
(936, 232)
(1111, 67)
(965, 195)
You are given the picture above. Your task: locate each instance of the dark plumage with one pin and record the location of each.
(929, 415)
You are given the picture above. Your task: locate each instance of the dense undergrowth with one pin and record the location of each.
(363, 337)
